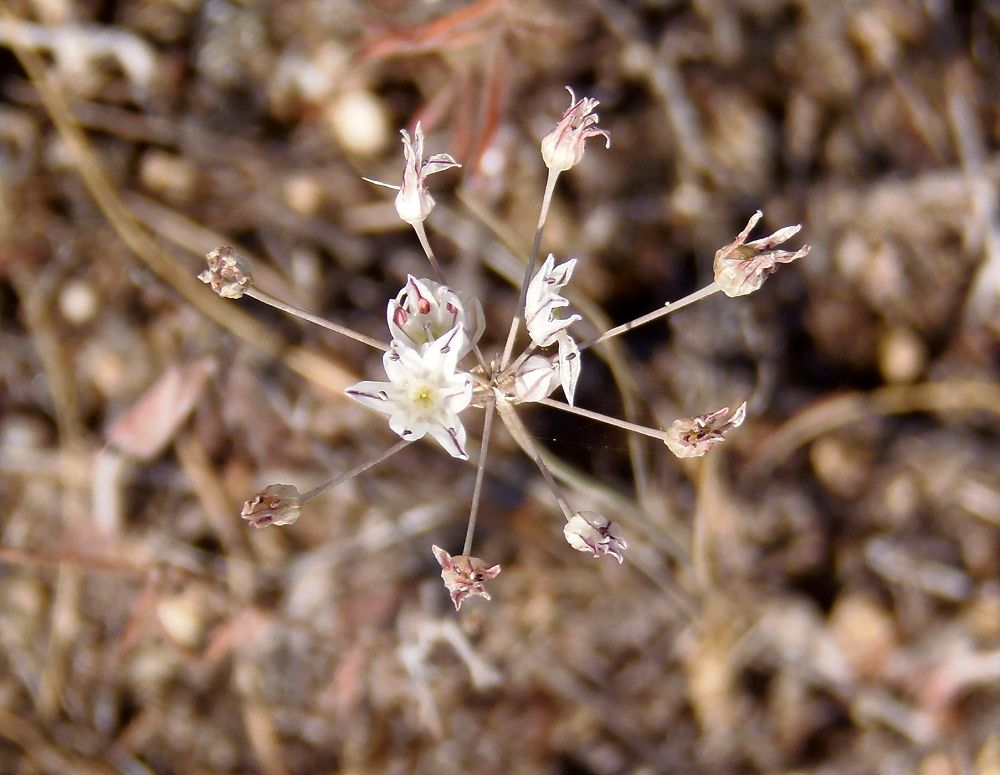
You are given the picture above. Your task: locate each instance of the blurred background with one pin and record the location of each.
(818, 595)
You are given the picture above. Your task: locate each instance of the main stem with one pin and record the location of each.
(515, 324)
(666, 309)
(358, 469)
(480, 471)
(266, 298)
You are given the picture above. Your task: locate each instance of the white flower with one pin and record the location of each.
(544, 317)
(563, 147)
(588, 531)
(414, 202)
(543, 304)
(424, 393)
(741, 267)
(425, 310)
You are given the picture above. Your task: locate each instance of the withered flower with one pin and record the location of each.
(464, 575)
(694, 436)
(414, 202)
(228, 272)
(588, 531)
(276, 504)
(741, 267)
(563, 147)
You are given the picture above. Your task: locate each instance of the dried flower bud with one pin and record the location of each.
(276, 504)
(741, 267)
(588, 531)
(228, 272)
(464, 575)
(414, 202)
(536, 379)
(563, 147)
(694, 436)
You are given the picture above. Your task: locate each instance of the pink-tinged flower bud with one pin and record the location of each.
(228, 272)
(694, 436)
(425, 310)
(588, 531)
(563, 147)
(464, 575)
(741, 267)
(276, 504)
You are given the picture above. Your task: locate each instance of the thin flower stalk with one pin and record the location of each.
(271, 301)
(606, 419)
(418, 227)
(524, 441)
(529, 270)
(357, 470)
(281, 504)
(230, 276)
(480, 472)
(649, 317)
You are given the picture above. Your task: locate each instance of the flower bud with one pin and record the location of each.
(741, 267)
(694, 436)
(414, 202)
(464, 575)
(228, 272)
(563, 147)
(536, 379)
(276, 504)
(588, 531)
(424, 311)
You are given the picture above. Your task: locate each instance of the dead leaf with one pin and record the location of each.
(148, 426)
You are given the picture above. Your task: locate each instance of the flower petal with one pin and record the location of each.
(374, 395)
(451, 436)
(569, 366)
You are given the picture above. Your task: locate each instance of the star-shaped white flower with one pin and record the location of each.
(424, 393)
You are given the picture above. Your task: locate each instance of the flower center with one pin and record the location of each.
(424, 396)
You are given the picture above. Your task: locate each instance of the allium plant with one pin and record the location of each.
(436, 373)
